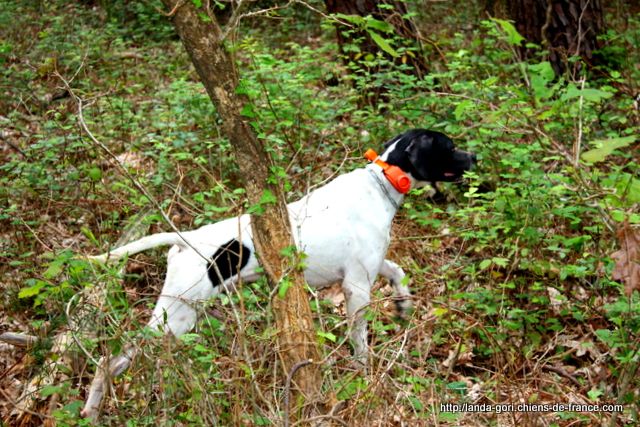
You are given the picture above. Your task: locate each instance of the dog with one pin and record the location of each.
(343, 228)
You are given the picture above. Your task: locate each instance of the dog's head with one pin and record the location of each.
(429, 156)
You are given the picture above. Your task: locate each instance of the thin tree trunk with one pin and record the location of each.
(202, 38)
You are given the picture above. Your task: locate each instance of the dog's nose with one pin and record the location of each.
(474, 158)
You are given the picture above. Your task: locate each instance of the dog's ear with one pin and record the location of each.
(418, 154)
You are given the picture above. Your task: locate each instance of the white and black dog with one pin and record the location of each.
(342, 227)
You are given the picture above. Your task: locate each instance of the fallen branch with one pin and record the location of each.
(18, 339)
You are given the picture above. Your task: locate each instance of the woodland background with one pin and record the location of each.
(526, 278)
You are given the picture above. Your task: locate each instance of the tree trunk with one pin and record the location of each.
(565, 27)
(202, 38)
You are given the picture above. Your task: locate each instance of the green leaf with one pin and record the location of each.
(457, 386)
(378, 25)
(513, 36)
(461, 108)
(248, 111)
(633, 192)
(594, 394)
(197, 3)
(289, 251)
(48, 390)
(589, 94)
(541, 75)
(285, 284)
(416, 403)
(94, 174)
(606, 147)
(268, 198)
(89, 235)
(440, 311)
(356, 20)
(606, 336)
(53, 270)
(328, 335)
(485, 264)
(204, 17)
(32, 290)
(74, 406)
(621, 216)
(502, 262)
(383, 43)
(543, 70)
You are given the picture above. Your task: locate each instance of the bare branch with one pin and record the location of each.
(18, 339)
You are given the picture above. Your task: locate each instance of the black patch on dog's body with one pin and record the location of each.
(229, 259)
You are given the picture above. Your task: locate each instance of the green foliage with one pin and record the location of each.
(606, 147)
(512, 36)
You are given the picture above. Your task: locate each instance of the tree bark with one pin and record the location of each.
(565, 27)
(202, 38)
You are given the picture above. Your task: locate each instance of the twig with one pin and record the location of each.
(173, 11)
(67, 311)
(577, 146)
(627, 376)
(329, 17)
(287, 389)
(564, 373)
(47, 247)
(584, 9)
(547, 22)
(12, 145)
(334, 418)
(16, 404)
(234, 19)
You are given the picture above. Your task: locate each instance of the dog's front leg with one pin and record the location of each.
(357, 295)
(396, 276)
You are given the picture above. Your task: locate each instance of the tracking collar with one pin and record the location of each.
(396, 176)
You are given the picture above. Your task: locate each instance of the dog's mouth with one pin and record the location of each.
(450, 174)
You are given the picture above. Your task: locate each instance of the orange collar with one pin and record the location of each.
(396, 176)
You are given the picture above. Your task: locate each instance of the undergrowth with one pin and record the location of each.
(512, 275)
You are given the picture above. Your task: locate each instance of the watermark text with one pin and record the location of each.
(529, 407)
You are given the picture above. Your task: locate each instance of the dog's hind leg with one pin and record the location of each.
(396, 276)
(186, 284)
(357, 288)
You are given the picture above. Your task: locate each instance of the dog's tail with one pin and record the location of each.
(147, 242)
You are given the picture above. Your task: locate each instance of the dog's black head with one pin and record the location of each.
(429, 156)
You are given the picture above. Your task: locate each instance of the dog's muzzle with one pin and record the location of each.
(462, 161)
